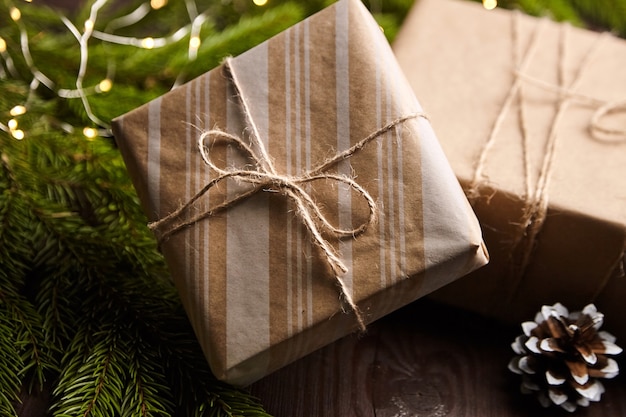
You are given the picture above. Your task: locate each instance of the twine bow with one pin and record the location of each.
(265, 178)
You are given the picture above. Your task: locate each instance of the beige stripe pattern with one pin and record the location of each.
(258, 292)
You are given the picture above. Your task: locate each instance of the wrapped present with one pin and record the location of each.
(298, 193)
(532, 116)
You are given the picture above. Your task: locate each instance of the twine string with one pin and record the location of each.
(473, 191)
(605, 134)
(263, 177)
(535, 211)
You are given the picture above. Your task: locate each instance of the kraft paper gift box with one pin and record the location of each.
(269, 136)
(532, 116)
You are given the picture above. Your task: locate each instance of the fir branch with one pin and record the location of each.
(147, 391)
(249, 32)
(10, 359)
(36, 358)
(93, 382)
(56, 297)
(608, 14)
(206, 396)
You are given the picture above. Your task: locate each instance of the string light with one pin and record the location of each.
(15, 132)
(147, 43)
(15, 14)
(90, 132)
(17, 110)
(89, 25)
(82, 36)
(490, 4)
(192, 9)
(18, 134)
(105, 85)
(194, 42)
(260, 2)
(157, 4)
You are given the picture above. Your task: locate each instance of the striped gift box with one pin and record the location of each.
(258, 175)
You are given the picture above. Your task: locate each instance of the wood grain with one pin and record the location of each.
(426, 360)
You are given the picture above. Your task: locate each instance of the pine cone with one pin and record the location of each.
(562, 355)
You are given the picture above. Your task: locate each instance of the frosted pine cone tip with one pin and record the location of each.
(562, 356)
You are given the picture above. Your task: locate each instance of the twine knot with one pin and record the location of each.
(264, 178)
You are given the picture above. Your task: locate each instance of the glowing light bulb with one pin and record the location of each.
(12, 124)
(105, 85)
(28, 1)
(15, 14)
(17, 110)
(194, 42)
(88, 25)
(90, 132)
(260, 2)
(3, 45)
(18, 134)
(490, 4)
(157, 4)
(147, 43)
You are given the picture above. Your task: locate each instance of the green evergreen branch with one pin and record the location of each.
(10, 360)
(94, 380)
(147, 385)
(55, 306)
(37, 359)
(249, 32)
(207, 396)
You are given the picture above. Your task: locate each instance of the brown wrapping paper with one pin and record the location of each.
(555, 225)
(258, 292)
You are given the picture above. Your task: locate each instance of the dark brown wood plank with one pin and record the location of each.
(425, 360)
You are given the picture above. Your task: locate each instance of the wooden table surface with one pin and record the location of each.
(426, 360)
